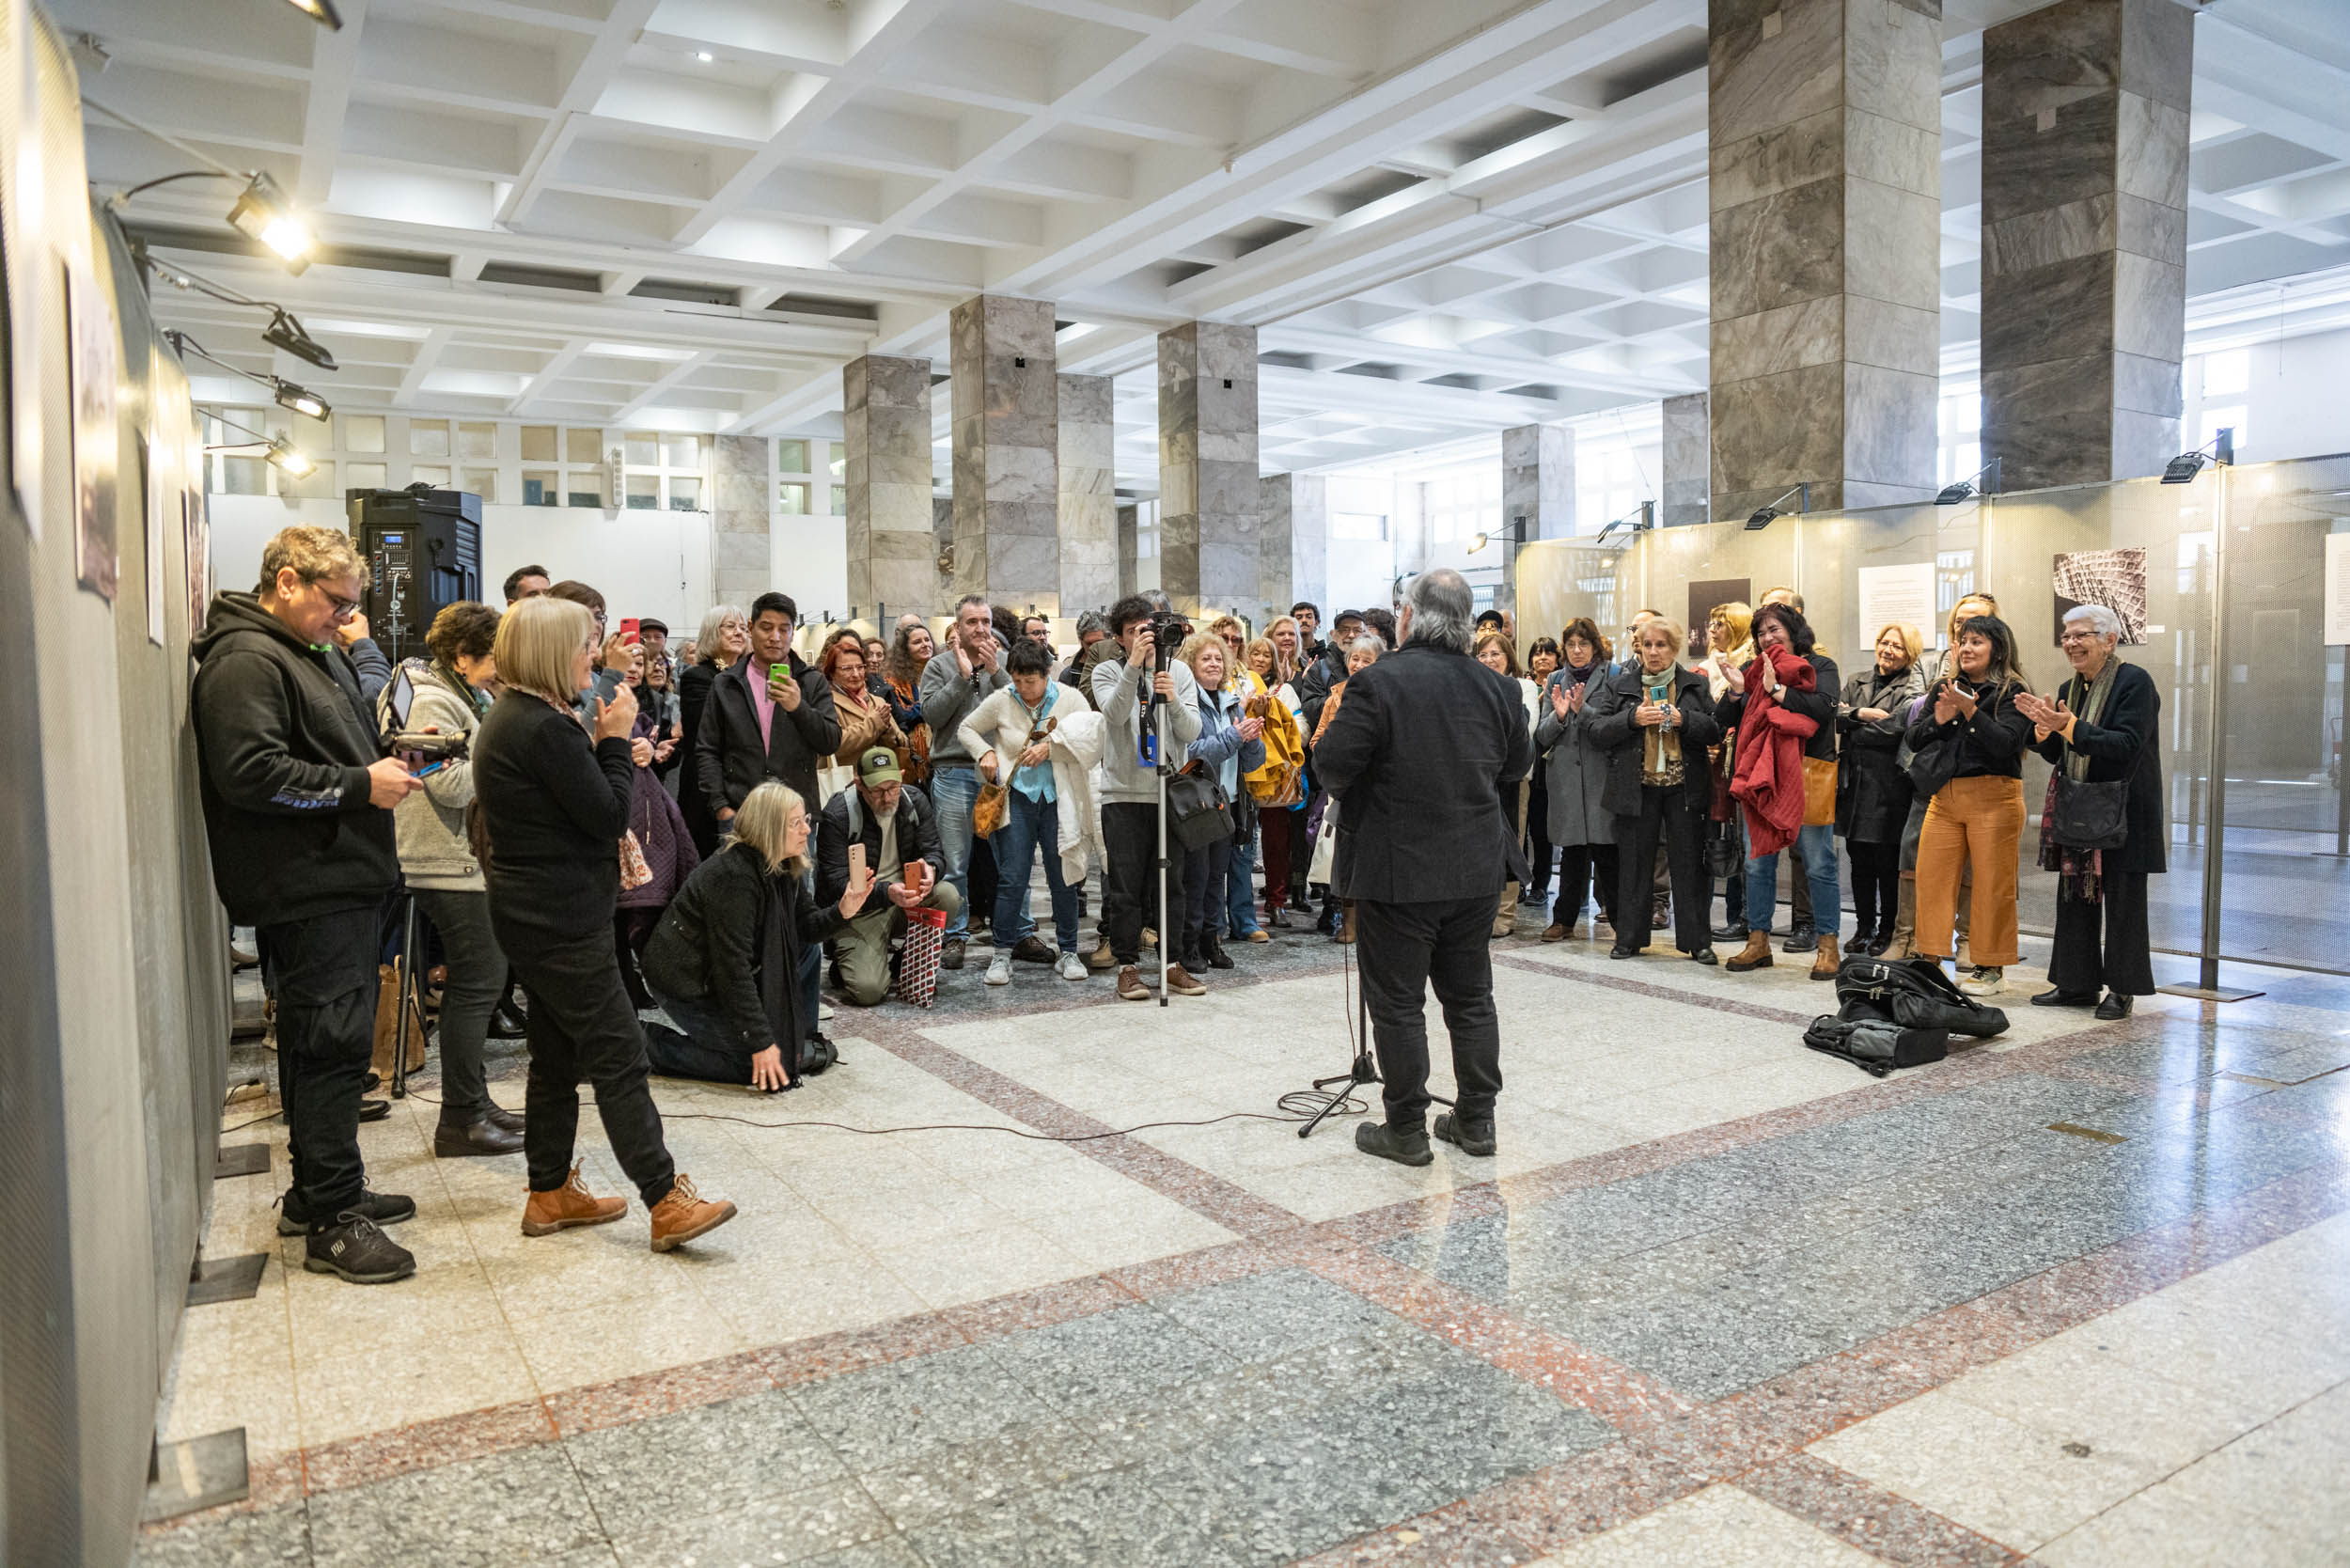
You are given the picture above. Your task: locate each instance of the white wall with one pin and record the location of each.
(655, 564)
(2292, 399)
(809, 561)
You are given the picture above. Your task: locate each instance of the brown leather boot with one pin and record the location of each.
(1557, 931)
(1904, 942)
(1180, 981)
(1756, 954)
(684, 1214)
(567, 1205)
(1823, 963)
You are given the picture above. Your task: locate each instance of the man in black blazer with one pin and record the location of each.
(777, 729)
(1417, 760)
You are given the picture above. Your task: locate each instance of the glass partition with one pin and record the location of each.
(2270, 772)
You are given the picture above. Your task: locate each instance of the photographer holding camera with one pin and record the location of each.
(297, 810)
(1146, 689)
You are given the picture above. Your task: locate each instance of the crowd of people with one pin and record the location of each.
(595, 824)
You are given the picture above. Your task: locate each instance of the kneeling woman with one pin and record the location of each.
(556, 802)
(1653, 723)
(725, 961)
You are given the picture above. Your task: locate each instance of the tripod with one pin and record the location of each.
(411, 997)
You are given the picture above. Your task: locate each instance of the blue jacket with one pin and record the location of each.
(1219, 747)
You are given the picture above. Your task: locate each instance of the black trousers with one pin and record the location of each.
(2079, 963)
(583, 1028)
(1666, 821)
(1876, 884)
(1405, 949)
(323, 972)
(1582, 866)
(1130, 895)
(1537, 849)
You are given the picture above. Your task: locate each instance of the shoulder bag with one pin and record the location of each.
(1198, 811)
(2092, 816)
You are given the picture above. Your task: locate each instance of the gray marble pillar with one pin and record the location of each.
(885, 426)
(1294, 540)
(741, 567)
(1684, 484)
(1006, 440)
(1089, 497)
(1537, 479)
(1209, 556)
(1826, 126)
(1129, 550)
(2084, 240)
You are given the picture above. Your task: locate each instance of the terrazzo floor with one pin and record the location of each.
(2079, 1294)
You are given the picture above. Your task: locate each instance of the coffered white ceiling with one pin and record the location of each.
(1444, 215)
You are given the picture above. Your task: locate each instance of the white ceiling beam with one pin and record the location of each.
(598, 64)
(669, 380)
(428, 358)
(334, 58)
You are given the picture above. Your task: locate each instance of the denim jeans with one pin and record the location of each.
(953, 790)
(1817, 845)
(1240, 898)
(1030, 825)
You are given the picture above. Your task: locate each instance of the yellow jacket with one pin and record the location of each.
(1284, 746)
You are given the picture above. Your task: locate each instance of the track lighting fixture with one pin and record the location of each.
(1764, 516)
(2182, 468)
(1645, 512)
(321, 12)
(282, 454)
(262, 211)
(283, 331)
(301, 399)
(1953, 493)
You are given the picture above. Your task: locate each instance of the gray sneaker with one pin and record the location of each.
(999, 968)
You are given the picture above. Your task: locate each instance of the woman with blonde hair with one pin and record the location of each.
(1277, 787)
(555, 801)
(1654, 721)
(1230, 743)
(1873, 793)
(1728, 643)
(724, 961)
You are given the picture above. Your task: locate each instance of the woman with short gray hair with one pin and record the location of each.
(2103, 726)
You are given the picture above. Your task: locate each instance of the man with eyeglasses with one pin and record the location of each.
(298, 812)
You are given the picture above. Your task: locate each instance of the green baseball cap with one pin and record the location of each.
(879, 766)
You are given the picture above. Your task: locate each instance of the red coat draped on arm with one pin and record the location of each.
(1769, 776)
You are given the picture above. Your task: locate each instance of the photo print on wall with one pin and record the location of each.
(2114, 579)
(90, 343)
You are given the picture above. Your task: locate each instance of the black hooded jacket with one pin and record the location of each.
(284, 740)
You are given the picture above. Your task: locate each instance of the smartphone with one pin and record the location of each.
(429, 772)
(856, 867)
(776, 676)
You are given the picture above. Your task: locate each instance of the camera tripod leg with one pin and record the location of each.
(411, 997)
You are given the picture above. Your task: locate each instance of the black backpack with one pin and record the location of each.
(1875, 1046)
(1914, 994)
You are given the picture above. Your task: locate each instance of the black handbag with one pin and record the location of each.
(1199, 812)
(2092, 816)
(1725, 852)
(1934, 767)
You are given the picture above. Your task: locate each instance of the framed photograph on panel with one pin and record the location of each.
(2114, 579)
(94, 358)
(24, 254)
(151, 470)
(193, 519)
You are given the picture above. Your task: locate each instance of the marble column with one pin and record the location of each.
(1007, 439)
(2084, 240)
(740, 565)
(1129, 550)
(1689, 437)
(1537, 479)
(885, 426)
(1209, 556)
(1826, 127)
(1294, 540)
(1088, 496)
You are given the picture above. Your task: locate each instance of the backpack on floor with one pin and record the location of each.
(1914, 994)
(1875, 1046)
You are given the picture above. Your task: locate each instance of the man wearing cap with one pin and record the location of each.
(894, 822)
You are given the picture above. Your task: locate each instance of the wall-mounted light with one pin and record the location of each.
(1764, 516)
(282, 454)
(1645, 512)
(301, 399)
(321, 12)
(262, 213)
(2182, 468)
(288, 333)
(283, 331)
(1953, 493)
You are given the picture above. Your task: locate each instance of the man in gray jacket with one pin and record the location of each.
(1122, 689)
(956, 681)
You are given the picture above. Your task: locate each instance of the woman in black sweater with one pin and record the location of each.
(555, 804)
(723, 963)
(1969, 749)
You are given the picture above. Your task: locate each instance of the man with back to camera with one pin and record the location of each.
(894, 822)
(526, 582)
(1417, 757)
(958, 678)
(298, 812)
(1122, 689)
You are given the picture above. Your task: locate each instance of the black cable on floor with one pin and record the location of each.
(1304, 1104)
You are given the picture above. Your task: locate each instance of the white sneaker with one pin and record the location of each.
(1071, 968)
(1983, 982)
(824, 1010)
(999, 967)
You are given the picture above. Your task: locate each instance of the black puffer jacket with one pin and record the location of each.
(284, 739)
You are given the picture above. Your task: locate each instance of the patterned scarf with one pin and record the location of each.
(2080, 873)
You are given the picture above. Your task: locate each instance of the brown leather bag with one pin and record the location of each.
(988, 811)
(1819, 791)
(387, 978)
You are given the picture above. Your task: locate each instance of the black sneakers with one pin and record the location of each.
(950, 955)
(1470, 1138)
(356, 1249)
(1376, 1138)
(377, 1208)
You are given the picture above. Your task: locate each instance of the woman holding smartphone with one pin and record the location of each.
(555, 801)
(724, 964)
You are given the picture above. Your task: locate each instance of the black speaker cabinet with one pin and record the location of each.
(423, 549)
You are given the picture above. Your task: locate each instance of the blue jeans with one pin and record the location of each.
(1818, 844)
(953, 792)
(1240, 898)
(1028, 825)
